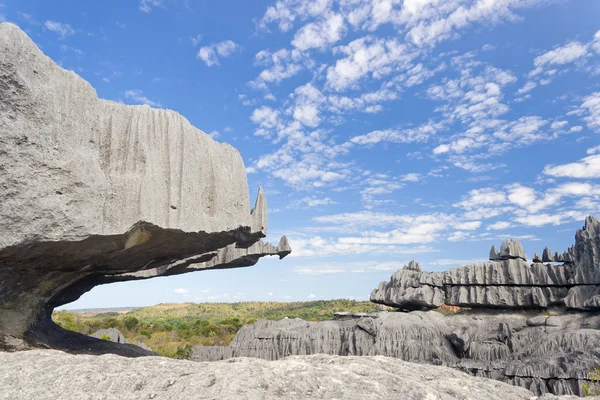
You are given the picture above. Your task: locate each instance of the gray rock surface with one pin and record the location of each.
(53, 375)
(514, 347)
(547, 255)
(114, 335)
(508, 282)
(95, 192)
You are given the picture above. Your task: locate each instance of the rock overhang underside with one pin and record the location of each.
(96, 192)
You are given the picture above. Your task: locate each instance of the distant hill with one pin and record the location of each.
(102, 310)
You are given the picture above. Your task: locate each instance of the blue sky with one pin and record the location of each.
(381, 130)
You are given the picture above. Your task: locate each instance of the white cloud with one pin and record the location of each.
(435, 20)
(210, 54)
(561, 55)
(319, 34)
(591, 109)
(196, 39)
(311, 296)
(588, 167)
(181, 291)
(348, 267)
(63, 30)
(412, 177)
(137, 97)
(367, 56)
(499, 225)
(319, 246)
(146, 5)
(527, 87)
(280, 14)
(307, 114)
(593, 150)
(468, 226)
(314, 201)
(419, 134)
(282, 64)
(266, 118)
(482, 197)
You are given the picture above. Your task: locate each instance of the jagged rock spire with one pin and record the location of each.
(259, 213)
(495, 254)
(413, 266)
(547, 255)
(512, 249)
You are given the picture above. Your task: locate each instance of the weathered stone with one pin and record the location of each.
(509, 283)
(539, 320)
(558, 257)
(114, 335)
(413, 266)
(537, 258)
(52, 375)
(514, 347)
(96, 192)
(547, 255)
(512, 249)
(495, 254)
(143, 346)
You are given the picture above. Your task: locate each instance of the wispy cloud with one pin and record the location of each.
(62, 30)
(211, 54)
(147, 5)
(137, 97)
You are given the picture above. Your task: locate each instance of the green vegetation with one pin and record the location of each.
(592, 388)
(172, 330)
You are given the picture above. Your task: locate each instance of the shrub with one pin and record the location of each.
(113, 323)
(106, 337)
(184, 352)
(130, 323)
(144, 332)
(65, 320)
(592, 388)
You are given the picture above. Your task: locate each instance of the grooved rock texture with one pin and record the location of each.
(95, 192)
(507, 281)
(49, 375)
(543, 354)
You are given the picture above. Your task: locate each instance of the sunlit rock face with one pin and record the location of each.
(545, 354)
(95, 192)
(532, 325)
(507, 281)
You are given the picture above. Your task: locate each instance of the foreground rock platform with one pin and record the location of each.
(545, 354)
(49, 374)
(95, 192)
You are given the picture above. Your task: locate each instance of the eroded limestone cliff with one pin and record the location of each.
(94, 192)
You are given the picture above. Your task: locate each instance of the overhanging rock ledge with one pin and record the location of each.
(95, 192)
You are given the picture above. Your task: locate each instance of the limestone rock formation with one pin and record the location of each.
(545, 354)
(95, 192)
(114, 335)
(53, 375)
(505, 336)
(547, 255)
(507, 282)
